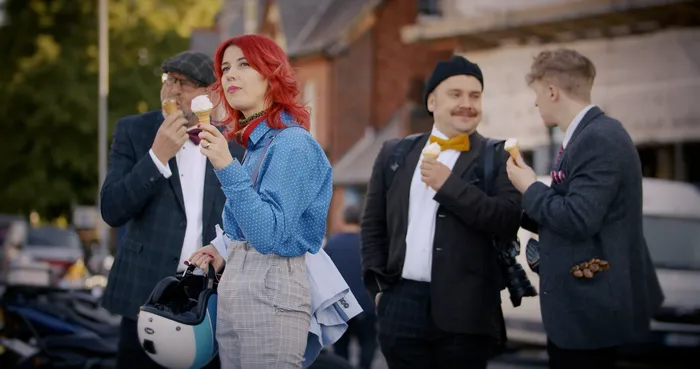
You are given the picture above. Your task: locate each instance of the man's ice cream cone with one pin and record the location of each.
(202, 107)
(431, 152)
(170, 106)
(511, 146)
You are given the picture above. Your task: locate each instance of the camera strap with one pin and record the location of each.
(491, 166)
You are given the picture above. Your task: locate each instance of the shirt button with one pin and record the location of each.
(183, 224)
(176, 260)
(152, 179)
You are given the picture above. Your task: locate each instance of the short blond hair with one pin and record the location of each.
(565, 68)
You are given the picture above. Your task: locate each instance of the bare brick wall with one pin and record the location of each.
(351, 99)
(317, 70)
(395, 63)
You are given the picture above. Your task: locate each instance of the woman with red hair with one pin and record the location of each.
(277, 201)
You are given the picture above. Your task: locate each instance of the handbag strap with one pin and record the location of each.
(256, 170)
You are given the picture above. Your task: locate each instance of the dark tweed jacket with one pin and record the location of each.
(595, 212)
(137, 195)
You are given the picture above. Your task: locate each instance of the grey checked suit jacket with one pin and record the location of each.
(137, 195)
(595, 212)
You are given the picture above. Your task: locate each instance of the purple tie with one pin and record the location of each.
(194, 135)
(558, 176)
(556, 162)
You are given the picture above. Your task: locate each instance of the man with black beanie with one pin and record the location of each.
(164, 192)
(427, 233)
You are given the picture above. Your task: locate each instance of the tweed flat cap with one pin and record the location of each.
(198, 67)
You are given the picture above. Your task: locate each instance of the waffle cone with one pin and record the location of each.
(514, 152)
(170, 106)
(203, 116)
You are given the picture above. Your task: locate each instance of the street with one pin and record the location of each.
(532, 359)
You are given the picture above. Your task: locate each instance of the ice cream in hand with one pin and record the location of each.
(202, 107)
(169, 106)
(511, 146)
(432, 151)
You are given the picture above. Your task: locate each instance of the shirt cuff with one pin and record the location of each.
(163, 169)
(220, 242)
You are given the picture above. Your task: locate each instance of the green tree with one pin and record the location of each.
(48, 89)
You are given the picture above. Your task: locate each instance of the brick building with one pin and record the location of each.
(646, 54)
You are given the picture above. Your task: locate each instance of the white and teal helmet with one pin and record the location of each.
(177, 324)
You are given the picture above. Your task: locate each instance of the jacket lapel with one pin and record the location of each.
(211, 191)
(175, 182)
(466, 158)
(590, 116)
(404, 176)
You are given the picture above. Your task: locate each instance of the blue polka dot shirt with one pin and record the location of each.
(287, 214)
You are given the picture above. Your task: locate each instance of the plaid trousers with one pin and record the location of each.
(263, 310)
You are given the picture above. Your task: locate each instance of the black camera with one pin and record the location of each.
(516, 280)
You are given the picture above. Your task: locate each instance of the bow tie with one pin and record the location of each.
(457, 143)
(194, 135)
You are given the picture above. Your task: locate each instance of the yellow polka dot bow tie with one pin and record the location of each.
(458, 143)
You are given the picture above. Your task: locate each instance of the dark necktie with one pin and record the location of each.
(194, 135)
(559, 155)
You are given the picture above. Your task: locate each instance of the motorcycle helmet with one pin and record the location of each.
(177, 324)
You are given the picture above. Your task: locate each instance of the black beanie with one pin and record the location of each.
(457, 65)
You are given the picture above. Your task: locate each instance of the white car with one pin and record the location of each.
(672, 231)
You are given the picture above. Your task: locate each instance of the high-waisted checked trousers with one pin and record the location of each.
(263, 310)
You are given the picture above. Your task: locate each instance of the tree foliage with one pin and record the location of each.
(48, 89)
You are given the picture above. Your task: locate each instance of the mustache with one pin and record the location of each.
(464, 112)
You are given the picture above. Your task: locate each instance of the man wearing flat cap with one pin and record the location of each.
(164, 192)
(427, 230)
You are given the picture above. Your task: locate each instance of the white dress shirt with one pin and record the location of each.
(574, 124)
(422, 211)
(192, 166)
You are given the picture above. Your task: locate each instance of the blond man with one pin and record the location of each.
(591, 213)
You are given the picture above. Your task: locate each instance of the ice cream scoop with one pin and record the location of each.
(511, 146)
(201, 106)
(432, 151)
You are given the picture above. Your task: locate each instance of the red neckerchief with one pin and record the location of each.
(243, 135)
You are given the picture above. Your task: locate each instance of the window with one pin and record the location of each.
(310, 101)
(428, 7)
(673, 242)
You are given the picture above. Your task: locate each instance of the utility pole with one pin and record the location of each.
(102, 228)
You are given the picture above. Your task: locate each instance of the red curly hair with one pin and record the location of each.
(268, 59)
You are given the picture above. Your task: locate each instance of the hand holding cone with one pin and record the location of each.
(431, 152)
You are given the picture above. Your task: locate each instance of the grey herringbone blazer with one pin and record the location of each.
(595, 212)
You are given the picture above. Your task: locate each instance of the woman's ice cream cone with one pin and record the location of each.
(203, 116)
(202, 107)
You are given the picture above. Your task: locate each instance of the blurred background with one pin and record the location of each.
(361, 67)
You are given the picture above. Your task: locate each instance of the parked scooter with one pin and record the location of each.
(51, 328)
